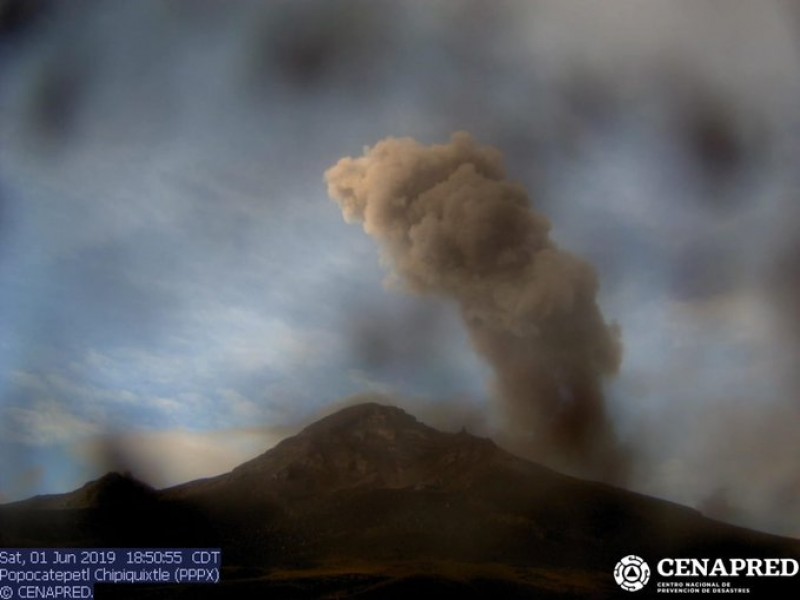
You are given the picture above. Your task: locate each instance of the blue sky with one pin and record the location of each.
(177, 292)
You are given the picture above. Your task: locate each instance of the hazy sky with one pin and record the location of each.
(177, 291)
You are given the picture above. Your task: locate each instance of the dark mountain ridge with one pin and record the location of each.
(111, 490)
(370, 494)
(365, 446)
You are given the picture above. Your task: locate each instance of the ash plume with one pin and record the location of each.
(451, 224)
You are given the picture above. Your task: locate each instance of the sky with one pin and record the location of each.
(178, 292)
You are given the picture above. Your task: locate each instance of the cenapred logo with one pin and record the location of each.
(632, 573)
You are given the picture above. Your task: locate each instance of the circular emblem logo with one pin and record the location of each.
(632, 573)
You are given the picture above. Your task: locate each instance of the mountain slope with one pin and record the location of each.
(370, 501)
(372, 482)
(112, 490)
(365, 446)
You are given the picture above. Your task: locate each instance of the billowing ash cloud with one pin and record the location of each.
(450, 224)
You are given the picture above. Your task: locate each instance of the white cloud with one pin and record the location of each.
(45, 422)
(239, 407)
(215, 342)
(370, 384)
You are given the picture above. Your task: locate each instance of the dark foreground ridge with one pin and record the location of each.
(370, 503)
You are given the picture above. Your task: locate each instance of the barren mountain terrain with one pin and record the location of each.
(369, 502)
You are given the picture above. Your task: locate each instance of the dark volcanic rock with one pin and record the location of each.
(113, 490)
(423, 509)
(368, 446)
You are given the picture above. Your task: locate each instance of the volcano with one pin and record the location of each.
(370, 502)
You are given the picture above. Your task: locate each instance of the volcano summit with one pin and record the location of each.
(370, 502)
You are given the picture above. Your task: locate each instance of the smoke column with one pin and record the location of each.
(450, 224)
